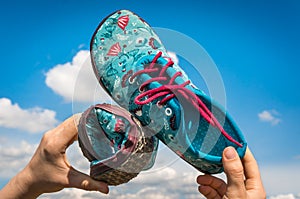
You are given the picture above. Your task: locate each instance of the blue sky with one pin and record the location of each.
(254, 44)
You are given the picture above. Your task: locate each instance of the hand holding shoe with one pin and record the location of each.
(243, 178)
(49, 170)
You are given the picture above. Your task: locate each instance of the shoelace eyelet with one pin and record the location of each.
(118, 96)
(131, 81)
(171, 137)
(141, 89)
(168, 111)
(158, 104)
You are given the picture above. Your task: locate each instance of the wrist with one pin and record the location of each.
(25, 185)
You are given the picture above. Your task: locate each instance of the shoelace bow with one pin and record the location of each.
(169, 91)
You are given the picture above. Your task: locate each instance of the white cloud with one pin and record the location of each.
(270, 116)
(14, 158)
(173, 57)
(287, 196)
(71, 193)
(81, 46)
(159, 192)
(33, 120)
(75, 81)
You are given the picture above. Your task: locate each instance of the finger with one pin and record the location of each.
(250, 166)
(217, 184)
(85, 182)
(209, 192)
(253, 179)
(235, 173)
(66, 133)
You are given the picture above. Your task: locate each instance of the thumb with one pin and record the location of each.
(235, 173)
(85, 182)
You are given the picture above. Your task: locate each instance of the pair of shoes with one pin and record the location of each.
(133, 67)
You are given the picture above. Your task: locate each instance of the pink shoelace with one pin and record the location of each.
(169, 91)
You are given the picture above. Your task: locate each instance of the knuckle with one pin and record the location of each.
(236, 171)
(48, 144)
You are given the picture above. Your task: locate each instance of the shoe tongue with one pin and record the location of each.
(155, 116)
(160, 63)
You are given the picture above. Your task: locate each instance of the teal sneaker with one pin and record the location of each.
(117, 147)
(133, 66)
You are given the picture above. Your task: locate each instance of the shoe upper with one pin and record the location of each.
(108, 137)
(133, 66)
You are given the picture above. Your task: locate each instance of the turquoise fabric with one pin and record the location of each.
(124, 44)
(114, 127)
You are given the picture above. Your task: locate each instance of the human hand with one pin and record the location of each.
(243, 178)
(49, 169)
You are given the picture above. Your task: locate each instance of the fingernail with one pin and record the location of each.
(230, 153)
(77, 117)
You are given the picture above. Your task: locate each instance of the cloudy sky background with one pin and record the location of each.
(255, 46)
